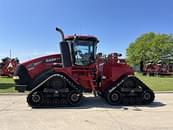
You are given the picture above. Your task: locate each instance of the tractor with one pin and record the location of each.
(62, 79)
(8, 66)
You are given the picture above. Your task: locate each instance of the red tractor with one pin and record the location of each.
(153, 69)
(63, 78)
(8, 66)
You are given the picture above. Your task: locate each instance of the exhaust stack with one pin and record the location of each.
(61, 33)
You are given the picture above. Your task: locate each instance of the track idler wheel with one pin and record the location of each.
(147, 97)
(114, 98)
(74, 98)
(35, 99)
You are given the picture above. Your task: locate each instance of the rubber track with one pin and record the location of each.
(131, 100)
(54, 101)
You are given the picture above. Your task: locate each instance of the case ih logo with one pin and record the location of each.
(52, 60)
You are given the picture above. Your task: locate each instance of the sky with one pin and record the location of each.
(27, 27)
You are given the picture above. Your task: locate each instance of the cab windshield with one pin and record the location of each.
(84, 52)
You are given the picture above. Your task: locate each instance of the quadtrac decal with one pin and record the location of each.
(32, 65)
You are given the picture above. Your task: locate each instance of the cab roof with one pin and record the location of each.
(81, 37)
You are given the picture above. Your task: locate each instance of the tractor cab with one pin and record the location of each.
(84, 52)
(83, 49)
(78, 50)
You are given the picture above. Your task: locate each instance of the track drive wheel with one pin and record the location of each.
(74, 98)
(147, 97)
(57, 83)
(35, 99)
(129, 83)
(114, 98)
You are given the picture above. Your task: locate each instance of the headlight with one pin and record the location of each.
(16, 77)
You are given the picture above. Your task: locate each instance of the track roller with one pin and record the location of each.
(114, 98)
(74, 97)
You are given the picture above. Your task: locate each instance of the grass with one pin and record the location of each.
(6, 85)
(155, 83)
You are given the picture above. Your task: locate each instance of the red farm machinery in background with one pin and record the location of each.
(61, 79)
(8, 66)
(160, 68)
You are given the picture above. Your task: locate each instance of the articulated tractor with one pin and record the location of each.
(61, 79)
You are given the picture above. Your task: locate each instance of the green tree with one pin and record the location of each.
(150, 47)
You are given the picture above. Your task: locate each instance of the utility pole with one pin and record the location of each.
(10, 53)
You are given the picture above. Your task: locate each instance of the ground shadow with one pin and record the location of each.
(6, 85)
(154, 104)
(98, 102)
